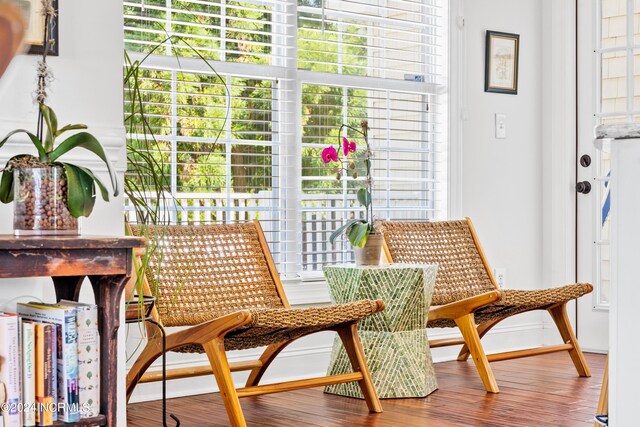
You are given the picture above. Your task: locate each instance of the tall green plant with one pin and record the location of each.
(147, 182)
(148, 179)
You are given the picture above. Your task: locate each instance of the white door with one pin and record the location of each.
(608, 47)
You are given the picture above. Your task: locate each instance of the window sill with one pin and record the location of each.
(307, 290)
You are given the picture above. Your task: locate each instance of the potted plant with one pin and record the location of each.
(49, 195)
(363, 234)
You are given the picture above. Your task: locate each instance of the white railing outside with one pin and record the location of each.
(321, 215)
(208, 208)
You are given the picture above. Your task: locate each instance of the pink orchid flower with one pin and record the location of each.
(330, 154)
(348, 146)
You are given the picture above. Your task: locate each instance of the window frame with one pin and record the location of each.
(289, 80)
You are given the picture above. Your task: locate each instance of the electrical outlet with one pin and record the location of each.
(500, 275)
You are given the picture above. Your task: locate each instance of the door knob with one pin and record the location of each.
(583, 187)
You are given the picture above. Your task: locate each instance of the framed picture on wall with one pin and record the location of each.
(501, 62)
(35, 33)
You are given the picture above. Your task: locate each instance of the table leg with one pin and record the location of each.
(603, 400)
(108, 292)
(68, 287)
(400, 364)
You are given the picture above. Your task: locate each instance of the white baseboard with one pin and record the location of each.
(309, 357)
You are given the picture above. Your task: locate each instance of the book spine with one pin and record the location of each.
(10, 369)
(54, 368)
(88, 361)
(28, 374)
(39, 356)
(46, 406)
(68, 393)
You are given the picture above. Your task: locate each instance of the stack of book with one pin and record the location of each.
(49, 364)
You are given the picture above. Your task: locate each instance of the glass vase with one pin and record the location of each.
(40, 202)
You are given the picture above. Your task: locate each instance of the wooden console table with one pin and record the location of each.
(106, 261)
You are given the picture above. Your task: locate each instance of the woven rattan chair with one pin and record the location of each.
(466, 294)
(220, 281)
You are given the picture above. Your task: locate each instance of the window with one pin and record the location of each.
(244, 142)
(618, 101)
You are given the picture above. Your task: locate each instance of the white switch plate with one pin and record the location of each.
(500, 275)
(501, 126)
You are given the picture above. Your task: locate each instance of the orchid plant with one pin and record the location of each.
(357, 230)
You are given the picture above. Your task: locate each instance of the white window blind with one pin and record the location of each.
(384, 38)
(244, 142)
(383, 62)
(230, 31)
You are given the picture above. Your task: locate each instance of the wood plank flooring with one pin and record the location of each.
(535, 391)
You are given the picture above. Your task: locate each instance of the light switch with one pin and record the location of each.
(501, 126)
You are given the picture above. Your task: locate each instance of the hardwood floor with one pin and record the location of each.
(535, 391)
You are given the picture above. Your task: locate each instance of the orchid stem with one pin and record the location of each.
(367, 159)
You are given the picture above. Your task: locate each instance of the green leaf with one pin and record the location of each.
(81, 191)
(103, 189)
(68, 128)
(89, 142)
(6, 187)
(342, 229)
(358, 234)
(364, 197)
(34, 139)
(52, 126)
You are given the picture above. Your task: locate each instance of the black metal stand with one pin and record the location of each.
(164, 368)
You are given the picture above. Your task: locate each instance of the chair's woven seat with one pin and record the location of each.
(517, 301)
(269, 325)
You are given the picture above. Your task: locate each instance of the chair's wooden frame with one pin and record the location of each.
(462, 313)
(211, 336)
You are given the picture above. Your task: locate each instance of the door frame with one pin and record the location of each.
(559, 145)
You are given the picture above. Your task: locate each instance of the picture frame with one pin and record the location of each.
(34, 37)
(501, 62)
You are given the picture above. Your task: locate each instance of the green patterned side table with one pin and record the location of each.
(395, 340)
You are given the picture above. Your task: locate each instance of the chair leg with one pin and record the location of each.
(220, 366)
(482, 331)
(349, 335)
(559, 315)
(151, 352)
(266, 358)
(472, 339)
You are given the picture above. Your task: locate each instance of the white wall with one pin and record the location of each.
(519, 190)
(87, 89)
(502, 178)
